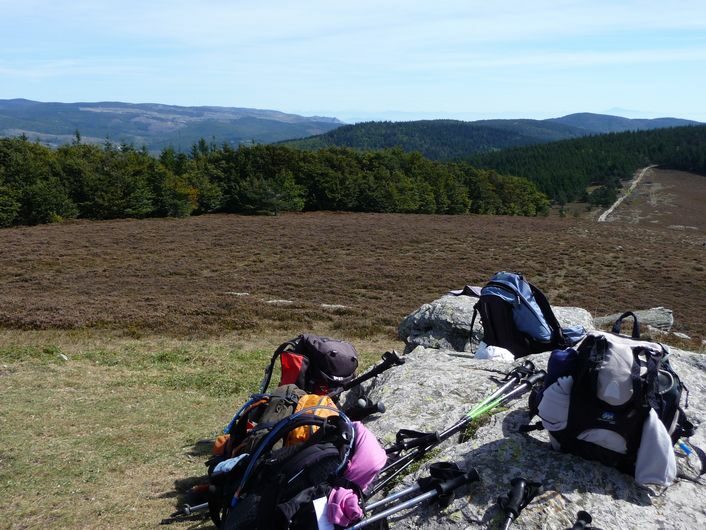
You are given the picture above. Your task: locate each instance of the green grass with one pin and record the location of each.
(110, 437)
(101, 440)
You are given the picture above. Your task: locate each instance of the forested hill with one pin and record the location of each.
(603, 123)
(452, 139)
(435, 139)
(154, 126)
(564, 169)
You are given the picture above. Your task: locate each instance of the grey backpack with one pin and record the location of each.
(616, 399)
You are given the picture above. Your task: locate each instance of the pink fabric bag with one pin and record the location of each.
(368, 459)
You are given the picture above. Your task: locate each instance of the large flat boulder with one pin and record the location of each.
(437, 386)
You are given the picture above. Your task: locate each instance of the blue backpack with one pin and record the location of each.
(517, 316)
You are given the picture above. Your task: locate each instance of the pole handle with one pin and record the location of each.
(409, 439)
(359, 413)
(389, 359)
(536, 377)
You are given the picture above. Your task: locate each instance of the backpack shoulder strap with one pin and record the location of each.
(473, 321)
(557, 334)
(290, 345)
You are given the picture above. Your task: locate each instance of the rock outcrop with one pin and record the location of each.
(659, 318)
(440, 382)
(437, 386)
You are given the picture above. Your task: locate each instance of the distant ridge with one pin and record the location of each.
(157, 126)
(604, 123)
(153, 125)
(453, 139)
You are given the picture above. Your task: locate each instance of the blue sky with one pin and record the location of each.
(364, 59)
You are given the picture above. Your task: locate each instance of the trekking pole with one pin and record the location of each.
(519, 496)
(444, 478)
(188, 509)
(185, 513)
(437, 471)
(423, 442)
(418, 443)
(389, 359)
(511, 379)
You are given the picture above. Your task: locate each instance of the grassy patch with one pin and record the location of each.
(472, 428)
(110, 437)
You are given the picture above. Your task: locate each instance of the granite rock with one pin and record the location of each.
(437, 386)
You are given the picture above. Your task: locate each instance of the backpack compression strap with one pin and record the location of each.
(287, 510)
(473, 321)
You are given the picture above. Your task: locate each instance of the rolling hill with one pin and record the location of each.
(452, 139)
(158, 126)
(153, 125)
(603, 123)
(564, 169)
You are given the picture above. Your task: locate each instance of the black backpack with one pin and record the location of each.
(314, 363)
(517, 316)
(257, 470)
(615, 381)
(279, 492)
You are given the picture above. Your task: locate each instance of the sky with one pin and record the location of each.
(363, 60)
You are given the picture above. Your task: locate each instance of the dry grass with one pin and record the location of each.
(108, 438)
(103, 432)
(186, 278)
(666, 198)
(160, 350)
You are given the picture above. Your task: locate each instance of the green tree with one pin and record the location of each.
(46, 201)
(9, 207)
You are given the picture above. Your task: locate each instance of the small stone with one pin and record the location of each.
(658, 317)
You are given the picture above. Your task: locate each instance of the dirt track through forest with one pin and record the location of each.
(666, 198)
(641, 173)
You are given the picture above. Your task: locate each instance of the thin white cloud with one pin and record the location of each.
(212, 23)
(561, 60)
(72, 68)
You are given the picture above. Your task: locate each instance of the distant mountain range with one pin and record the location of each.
(158, 126)
(153, 125)
(452, 139)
